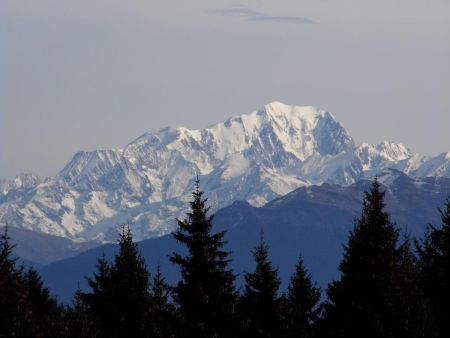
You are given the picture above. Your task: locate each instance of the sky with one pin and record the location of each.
(91, 74)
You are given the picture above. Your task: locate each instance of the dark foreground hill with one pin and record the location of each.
(313, 222)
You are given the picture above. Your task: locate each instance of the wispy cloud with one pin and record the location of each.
(255, 16)
(283, 19)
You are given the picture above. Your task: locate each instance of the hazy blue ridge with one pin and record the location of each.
(311, 221)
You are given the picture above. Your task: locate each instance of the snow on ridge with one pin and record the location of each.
(21, 181)
(388, 176)
(394, 151)
(275, 125)
(254, 157)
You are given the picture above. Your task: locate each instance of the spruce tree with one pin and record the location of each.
(205, 294)
(260, 304)
(12, 294)
(80, 322)
(412, 314)
(26, 307)
(364, 302)
(435, 271)
(163, 319)
(120, 296)
(45, 315)
(131, 285)
(100, 301)
(301, 308)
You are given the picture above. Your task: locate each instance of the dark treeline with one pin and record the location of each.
(390, 286)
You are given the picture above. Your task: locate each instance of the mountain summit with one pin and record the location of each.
(254, 157)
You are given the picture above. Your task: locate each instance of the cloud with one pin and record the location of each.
(283, 19)
(253, 15)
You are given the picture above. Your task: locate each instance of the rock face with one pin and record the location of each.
(254, 157)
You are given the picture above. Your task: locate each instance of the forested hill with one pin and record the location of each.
(311, 221)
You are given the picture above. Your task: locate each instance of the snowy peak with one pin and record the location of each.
(26, 181)
(275, 136)
(254, 157)
(393, 151)
(386, 154)
(435, 166)
(21, 182)
(299, 116)
(300, 131)
(307, 130)
(89, 165)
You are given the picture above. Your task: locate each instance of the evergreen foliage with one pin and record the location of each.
(365, 301)
(205, 294)
(26, 307)
(435, 268)
(120, 297)
(260, 303)
(45, 315)
(163, 320)
(12, 295)
(301, 308)
(411, 316)
(79, 319)
(384, 289)
(100, 301)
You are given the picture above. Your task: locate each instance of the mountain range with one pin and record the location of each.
(312, 222)
(254, 157)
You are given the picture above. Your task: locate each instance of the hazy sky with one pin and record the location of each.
(88, 74)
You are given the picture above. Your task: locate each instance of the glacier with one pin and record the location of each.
(254, 157)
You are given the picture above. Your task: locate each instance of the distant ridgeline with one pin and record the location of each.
(385, 286)
(255, 157)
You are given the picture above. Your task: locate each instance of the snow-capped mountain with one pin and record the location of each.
(254, 157)
(313, 221)
(20, 182)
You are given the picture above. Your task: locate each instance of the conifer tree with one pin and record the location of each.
(12, 294)
(79, 319)
(26, 307)
(435, 271)
(364, 302)
(120, 295)
(45, 315)
(300, 305)
(163, 320)
(412, 314)
(131, 286)
(260, 303)
(100, 301)
(205, 294)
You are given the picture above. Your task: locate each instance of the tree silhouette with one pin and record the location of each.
(260, 303)
(26, 307)
(365, 301)
(163, 315)
(205, 294)
(120, 292)
(435, 268)
(300, 306)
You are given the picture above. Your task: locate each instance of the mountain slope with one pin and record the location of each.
(312, 221)
(254, 157)
(41, 249)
